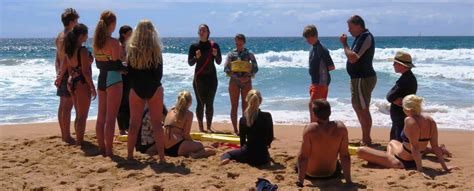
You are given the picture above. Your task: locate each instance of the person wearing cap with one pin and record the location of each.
(320, 63)
(405, 85)
(359, 67)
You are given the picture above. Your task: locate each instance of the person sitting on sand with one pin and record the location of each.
(256, 134)
(323, 141)
(419, 130)
(177, 125)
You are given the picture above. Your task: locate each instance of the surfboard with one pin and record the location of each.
(215, 137)
(353, 150)
(240, 66)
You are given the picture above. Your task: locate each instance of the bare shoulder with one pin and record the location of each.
(341, 127)
(113, 42)
(309, 128)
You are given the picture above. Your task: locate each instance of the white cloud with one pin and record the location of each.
(235, 16)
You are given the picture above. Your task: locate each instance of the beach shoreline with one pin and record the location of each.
(32, 153)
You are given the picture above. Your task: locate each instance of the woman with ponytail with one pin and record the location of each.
(178, 141)
(256, 134)
(80, 83)
(108, 52)
(419, 130)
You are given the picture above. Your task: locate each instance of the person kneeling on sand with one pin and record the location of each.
(419, 130)
(256, 134)
(323, 141)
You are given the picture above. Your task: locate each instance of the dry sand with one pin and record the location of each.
(33, 157)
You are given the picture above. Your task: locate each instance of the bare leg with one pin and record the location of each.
(100, 123)
(365, 120)
(114, 97)
(155, 104)
(382, 158)
(194, 149)
(234, 104)
(64, 118)
(82, 105)
(137, 105)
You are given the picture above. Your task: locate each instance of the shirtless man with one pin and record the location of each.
(323, 142)
(69, 19)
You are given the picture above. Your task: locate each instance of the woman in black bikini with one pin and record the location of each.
(178, 141)
(80, 82)
(203, 54)
(145, 70)
(240, 82)
(419, 130)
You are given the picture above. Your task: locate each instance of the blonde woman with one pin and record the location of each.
(145, 70)
(107, 51)
(178, 141)
(419, 130)
(256, 134)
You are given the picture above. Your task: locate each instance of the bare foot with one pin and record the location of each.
(224, 162)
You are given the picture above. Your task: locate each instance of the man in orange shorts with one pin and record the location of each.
(320, 63)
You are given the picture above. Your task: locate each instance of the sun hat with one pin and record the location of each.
(403, 58)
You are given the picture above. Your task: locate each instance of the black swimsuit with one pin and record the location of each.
(76, 73)
(145, 82)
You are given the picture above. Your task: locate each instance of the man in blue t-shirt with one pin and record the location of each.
(320, 63)
(359, 67)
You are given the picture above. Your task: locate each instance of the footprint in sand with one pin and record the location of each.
(279, 177)
(232, 175)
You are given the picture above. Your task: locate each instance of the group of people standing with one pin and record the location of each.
(129, 85)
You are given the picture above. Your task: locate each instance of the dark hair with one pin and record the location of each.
(241, 37)
(357, 20)
(100, 35)
(72, 38)
(310, 30)
(207, 27)
(69, 15)
(122, 31)
(321, 109)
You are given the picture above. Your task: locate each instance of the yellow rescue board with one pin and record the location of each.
(352, 150)
(214, 137)
(240, 66)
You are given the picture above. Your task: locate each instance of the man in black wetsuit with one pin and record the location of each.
(404, 86)
(203, 54)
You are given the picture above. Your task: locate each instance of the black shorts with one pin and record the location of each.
(337, 173)
(173, 151)
(62, 90)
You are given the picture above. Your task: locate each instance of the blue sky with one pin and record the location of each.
(28, 18)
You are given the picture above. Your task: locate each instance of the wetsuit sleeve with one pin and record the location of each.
(110, 65)
(242, 132)
(227, 63)
(312, 62)
(192, 56)
(254, 64)
(269, 129)
(327, 58)
(394, 93)
(218, 58)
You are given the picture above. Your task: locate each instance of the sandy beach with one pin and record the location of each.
(33, 157)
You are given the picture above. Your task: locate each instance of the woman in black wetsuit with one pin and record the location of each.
(203, 54)
(123, 117)
(145, 70)
(80, 83)
(256, 134)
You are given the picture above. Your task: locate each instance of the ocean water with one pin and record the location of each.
(444, 69)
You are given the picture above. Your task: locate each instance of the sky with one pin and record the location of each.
(41, 18)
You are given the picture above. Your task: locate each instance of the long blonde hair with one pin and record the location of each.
(412, 103)
(144, 47)
(101, 30)
(182, 102)
(253, 99)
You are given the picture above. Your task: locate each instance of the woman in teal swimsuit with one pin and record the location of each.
(107, 51)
